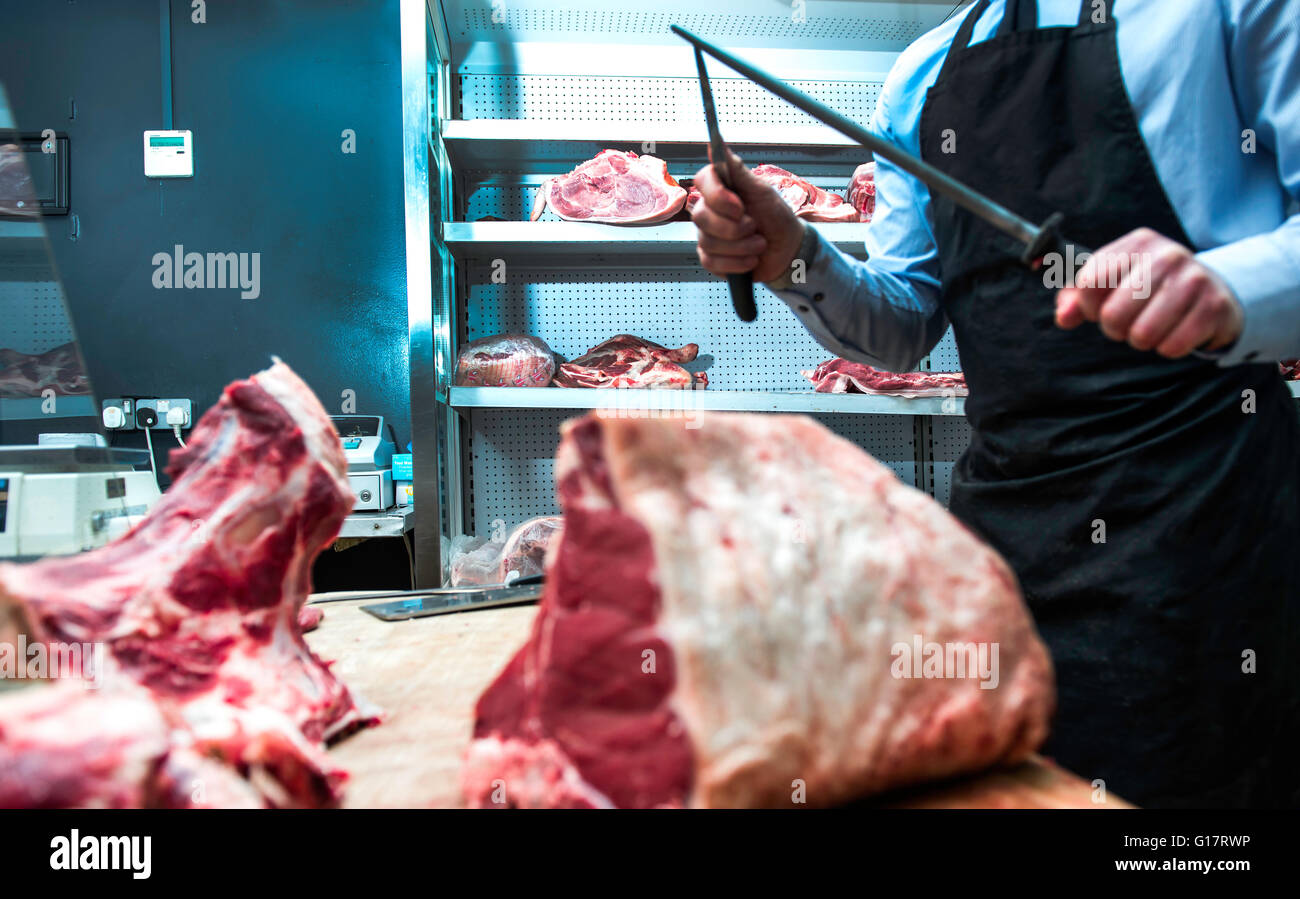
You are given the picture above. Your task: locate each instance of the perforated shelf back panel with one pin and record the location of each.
(653, 99)
(33, 317)
(512, 463)
(949, 435)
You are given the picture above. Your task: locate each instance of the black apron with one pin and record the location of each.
(1153, 520)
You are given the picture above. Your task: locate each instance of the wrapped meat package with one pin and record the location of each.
(505, 360)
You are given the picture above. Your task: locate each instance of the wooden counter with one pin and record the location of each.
(427, 673)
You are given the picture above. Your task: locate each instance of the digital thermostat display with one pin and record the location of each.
(168, 154)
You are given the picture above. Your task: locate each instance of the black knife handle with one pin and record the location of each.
(741, 286)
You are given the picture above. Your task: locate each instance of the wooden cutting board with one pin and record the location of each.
(427, 673)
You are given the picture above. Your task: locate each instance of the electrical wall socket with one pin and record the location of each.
(161, 408)
(123, 419)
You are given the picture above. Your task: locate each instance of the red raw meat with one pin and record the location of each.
(309, 618)
(197, 612)
(805, 199)
(627, 361)
(29, 374)
(842, 376)
(616, 186)
(506, 360)
(521, 553)
(729, 614)
(862, 191)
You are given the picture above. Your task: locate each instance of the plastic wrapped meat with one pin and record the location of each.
(521, 554)
(506, 360)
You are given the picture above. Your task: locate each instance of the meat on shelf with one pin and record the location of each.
(805, 199)
(628, 361)
(862, 191)
(843, 376)
(505, 360)
(615, 186)
(31, 374)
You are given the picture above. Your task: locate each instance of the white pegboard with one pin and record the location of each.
(944, 356)
(33, 317)
(949, 437)
(675, 100)
(512, 462)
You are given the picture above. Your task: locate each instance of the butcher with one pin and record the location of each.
(1134, 450)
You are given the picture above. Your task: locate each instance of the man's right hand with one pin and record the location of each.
(747, 228)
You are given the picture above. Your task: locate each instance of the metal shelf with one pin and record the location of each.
(468, 240)
(687, 401)
(710, 400)
(532, 146)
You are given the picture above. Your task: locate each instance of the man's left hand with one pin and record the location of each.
(1169, 302)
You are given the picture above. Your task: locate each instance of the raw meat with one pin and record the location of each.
(842, 376)
(627, 361)
(197, 612)
(862, 191)
(616, 186)
(506, 360)
(805, 199)
(727, 620)
(30, 374)
(309, 618)
(520, 554)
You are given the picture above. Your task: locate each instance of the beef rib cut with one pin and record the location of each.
(805, 199)
(506, 360)
(197, 611)
(732, 611)
(842, 376)
(862, 191)
(615, 186)
(627, 361)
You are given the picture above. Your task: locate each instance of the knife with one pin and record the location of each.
(1039, 240)
(741, 284)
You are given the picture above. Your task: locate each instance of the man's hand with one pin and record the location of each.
(748, 229)
(1168, 301)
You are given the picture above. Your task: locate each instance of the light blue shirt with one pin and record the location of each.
(1203, 75)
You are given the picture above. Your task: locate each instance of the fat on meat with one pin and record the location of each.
(204, 667)
(618, 187)
(734, 610)
(628, 361)
(862, 191)
(842, 376)
(805, 199)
